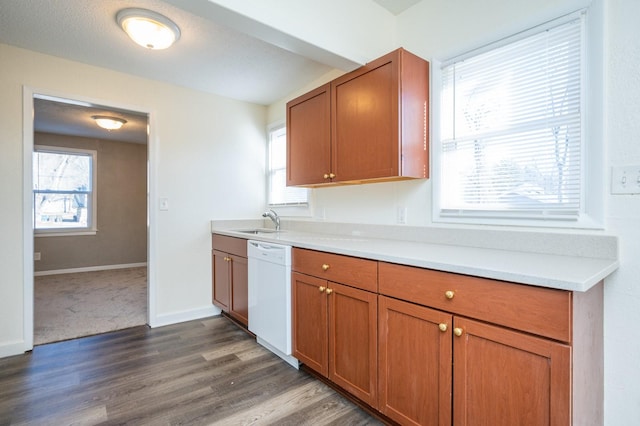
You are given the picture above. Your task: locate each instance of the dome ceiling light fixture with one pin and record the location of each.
(108, 122)
(148, 28)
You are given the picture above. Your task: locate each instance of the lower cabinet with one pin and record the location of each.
(460, 350)
(414, 363)
(449, 349)
(335, 325)
(503, 377)
(431, 361)
(230, 276)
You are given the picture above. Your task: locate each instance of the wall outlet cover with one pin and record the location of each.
(625, 179)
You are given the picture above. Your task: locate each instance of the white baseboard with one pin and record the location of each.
(182, 316)
(89, 269)
(12, 348)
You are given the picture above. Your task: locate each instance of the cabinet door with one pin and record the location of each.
(221, 280)
(353, 341)
(309, 138)
(309, 312)
(414, 363)
(364, 122)
(505, 378)
(239, 307)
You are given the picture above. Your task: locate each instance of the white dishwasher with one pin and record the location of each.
(270, 297)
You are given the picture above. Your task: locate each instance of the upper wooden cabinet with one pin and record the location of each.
(309, 137)
(368, 125)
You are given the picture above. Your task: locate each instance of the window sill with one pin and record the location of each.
(65, 233)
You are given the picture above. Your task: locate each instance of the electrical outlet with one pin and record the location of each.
(36, 256)
(625, 179)
(402, 215)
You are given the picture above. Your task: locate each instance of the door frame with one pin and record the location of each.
(28, 243)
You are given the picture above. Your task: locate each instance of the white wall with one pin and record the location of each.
(622, 289)
(207, 155)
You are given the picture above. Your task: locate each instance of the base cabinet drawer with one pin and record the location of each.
(542, 311)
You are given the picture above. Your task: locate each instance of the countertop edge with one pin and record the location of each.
(570, 273)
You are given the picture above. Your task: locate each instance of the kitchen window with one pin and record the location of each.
(279, 194)
(512, 142)
(64, 196)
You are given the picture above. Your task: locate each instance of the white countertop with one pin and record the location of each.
(566, 272)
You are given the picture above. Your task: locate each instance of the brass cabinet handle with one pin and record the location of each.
(325, 266)
(442, 326)
(331, 175)
(457, 331)
(329, 291)
(227, 258)
(326, 175)
(321, 288)
(449, 294)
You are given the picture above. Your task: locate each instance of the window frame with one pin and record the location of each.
(591, 214)
(287, 209)
(91, 228)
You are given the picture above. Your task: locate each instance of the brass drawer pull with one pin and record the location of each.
(329, 291)
(457, 331)
(325, 267)
(449, 294)
(442, 326)
(322, 289)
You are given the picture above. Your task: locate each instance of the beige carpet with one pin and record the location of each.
(86, 303)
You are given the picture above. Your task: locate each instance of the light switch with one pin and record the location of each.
(164, 204)
(625, 179)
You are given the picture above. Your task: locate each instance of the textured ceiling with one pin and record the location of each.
(208, 57)
(60, 117)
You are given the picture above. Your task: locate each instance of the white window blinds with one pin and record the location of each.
(511, 128)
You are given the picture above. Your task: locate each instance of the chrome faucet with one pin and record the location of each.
(274, 217)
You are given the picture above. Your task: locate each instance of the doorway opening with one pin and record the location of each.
(86, 241)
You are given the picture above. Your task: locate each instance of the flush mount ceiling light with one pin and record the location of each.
(109, 123)
(147, 28)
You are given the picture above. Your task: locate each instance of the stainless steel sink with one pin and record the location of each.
(257, 231)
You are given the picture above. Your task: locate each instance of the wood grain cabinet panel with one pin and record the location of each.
(377, 129)
(309, 137)
(310, 330)
(414, 356)
(335, 324)
(504, 378)
(221, 279)
(356, 272)
(230, 281)
(543, 311)
(353, 341)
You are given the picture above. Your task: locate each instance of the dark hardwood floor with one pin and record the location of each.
(194, 373)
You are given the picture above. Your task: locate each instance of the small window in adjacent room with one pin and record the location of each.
(512, 129)
(64, 196)
(279, 194)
